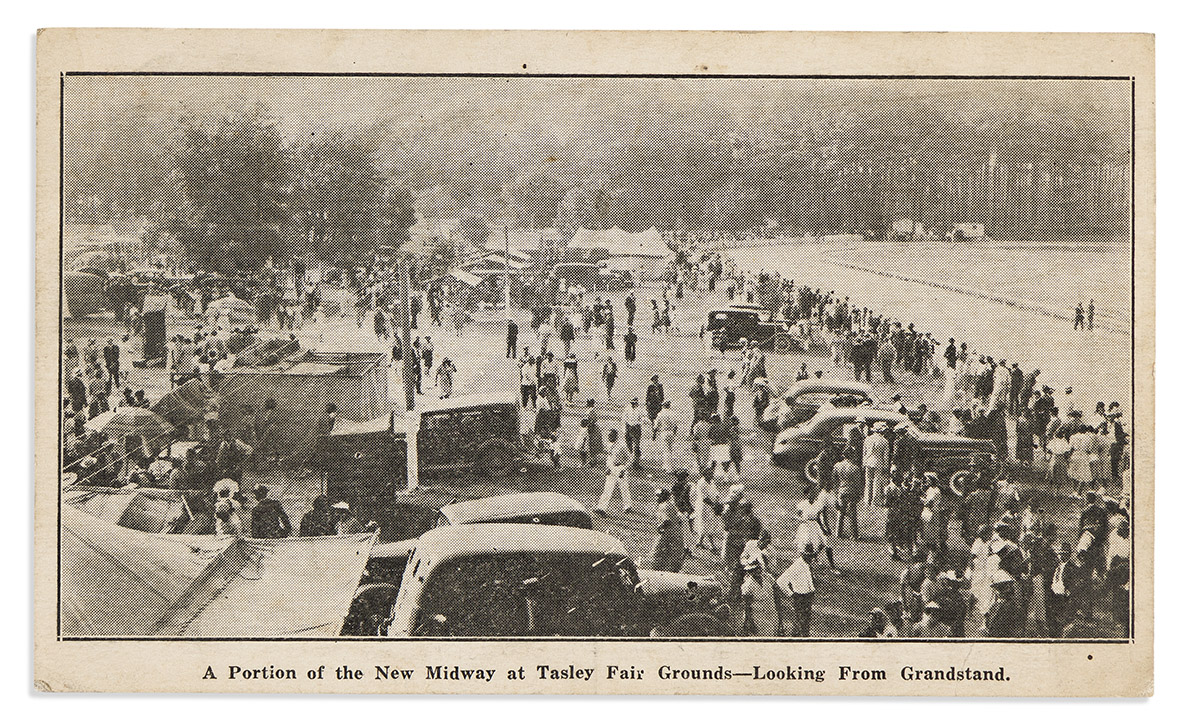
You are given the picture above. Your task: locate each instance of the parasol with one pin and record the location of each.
(125, 421)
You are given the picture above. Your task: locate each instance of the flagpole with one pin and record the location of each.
(507, 279)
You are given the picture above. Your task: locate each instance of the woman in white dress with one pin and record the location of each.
(813, 529)
(1102, 465)
(1079, 464)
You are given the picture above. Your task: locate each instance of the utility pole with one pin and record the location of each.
(406, 373)
(507, 280)
(412, 420)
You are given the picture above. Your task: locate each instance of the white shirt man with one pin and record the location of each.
(617, 477)
(666, 427)
(876, 461)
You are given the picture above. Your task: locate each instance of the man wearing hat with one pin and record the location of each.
(876, 459)
(930, 625)
(1005, 618)
(268, 518)
(796, 583)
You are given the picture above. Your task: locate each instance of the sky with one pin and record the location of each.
(561, 108)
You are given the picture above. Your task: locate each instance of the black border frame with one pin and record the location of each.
(1132, 80)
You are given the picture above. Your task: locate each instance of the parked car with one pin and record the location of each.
(582, 274)
(533, 508)
(611, 280)
(796, 448)
(802, 400)
(729, 325)
(522, 580)
(475, 433)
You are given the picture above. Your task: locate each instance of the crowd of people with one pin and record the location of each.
(1006, 576)
(1034, 542)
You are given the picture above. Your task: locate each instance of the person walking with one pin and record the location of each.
(617, 476)
(570, 384)
(593, 448)
(849, 478)
(529, 380)
(510, 346)
(654, 402)
(797, 585)
(567, 335)
(630, 346)
(445, 378)
(666, 428)
(758, 593)
(634, 417)
(609, 374)
(670, 547)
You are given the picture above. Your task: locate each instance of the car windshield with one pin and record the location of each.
(529, 594)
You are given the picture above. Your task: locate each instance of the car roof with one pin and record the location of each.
(452, 541)
(510, 505)
(801, 387)
(867, 414)
(466, 401)
(735, 309)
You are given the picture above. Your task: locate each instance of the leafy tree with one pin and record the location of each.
(232, 179)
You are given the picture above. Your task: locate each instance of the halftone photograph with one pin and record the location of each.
(686, 358)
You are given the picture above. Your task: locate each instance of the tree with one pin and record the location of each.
(345, 204)
(232, 178)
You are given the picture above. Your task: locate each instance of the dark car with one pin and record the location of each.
(796, 448)
(805, 397)
(729, 325)
(581, 274)
(473, 433)
(533, 508)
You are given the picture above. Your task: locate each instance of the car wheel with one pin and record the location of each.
(496, 460)
(812, 471)
(958, 482)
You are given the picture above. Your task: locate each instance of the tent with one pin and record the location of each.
(147, 509)
(301, 386)
(118, 582)
(618, 243)
(185, 404)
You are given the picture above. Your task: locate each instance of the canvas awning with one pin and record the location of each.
(465, 277)
(147, 509)
(185, 404)
(118, 582)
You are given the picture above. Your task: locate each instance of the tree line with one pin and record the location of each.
(233, 190)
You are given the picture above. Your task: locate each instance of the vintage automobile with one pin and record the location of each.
(533, 508)
(948, 456)
(476, 433)
(582, 274)
(802, 400)
(614, 280)
(730, 324)
(523, 580)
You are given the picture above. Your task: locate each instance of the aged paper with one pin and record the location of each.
(595, 363)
